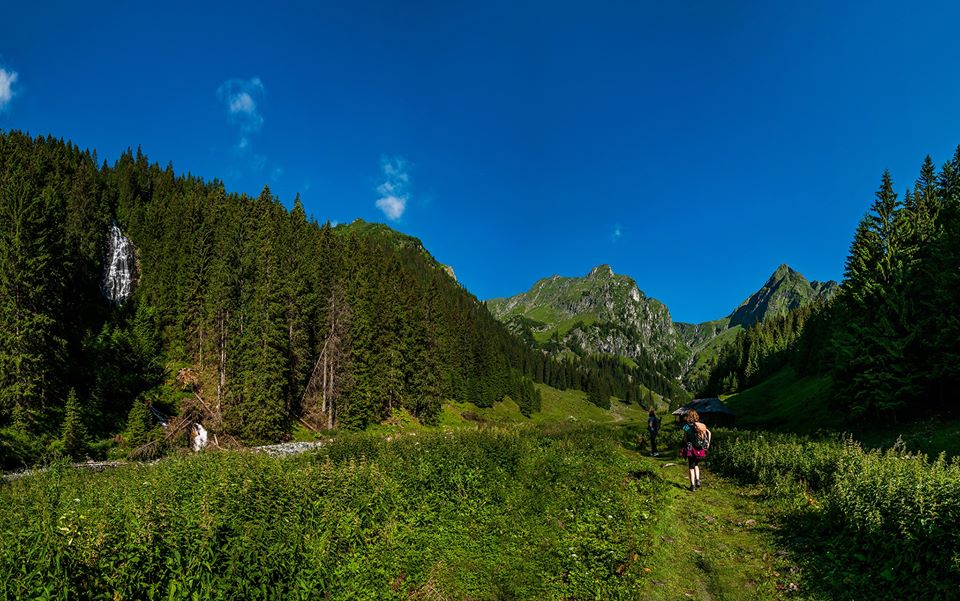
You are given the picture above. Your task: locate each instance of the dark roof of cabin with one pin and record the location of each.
(712, 405)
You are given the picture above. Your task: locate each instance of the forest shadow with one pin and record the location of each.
(835, 565)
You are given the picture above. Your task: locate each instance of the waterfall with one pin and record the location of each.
(198, 438)
(117, 281)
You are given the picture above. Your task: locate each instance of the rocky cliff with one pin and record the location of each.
(600, 313)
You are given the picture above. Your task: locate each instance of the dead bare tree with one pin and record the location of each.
(324, 390)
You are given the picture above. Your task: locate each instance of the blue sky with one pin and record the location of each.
(693, 147)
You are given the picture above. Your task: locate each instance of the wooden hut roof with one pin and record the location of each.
(711, 405)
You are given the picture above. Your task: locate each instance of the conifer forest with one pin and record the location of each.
(239, 312)
(890, 341)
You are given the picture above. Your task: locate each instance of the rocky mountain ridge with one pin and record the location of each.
(602, 312)
(607, 313)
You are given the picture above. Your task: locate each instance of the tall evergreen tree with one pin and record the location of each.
(74, 435)
(31, 297)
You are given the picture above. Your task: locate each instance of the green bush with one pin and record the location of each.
(884, 521)
(519, 513)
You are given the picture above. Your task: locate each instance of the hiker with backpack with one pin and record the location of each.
(696, 441)
(653, 427)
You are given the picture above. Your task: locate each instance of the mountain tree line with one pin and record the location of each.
(564, 365)
(891, 339)
(255, 316)
(760, 351)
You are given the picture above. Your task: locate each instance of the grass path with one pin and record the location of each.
(718, 543)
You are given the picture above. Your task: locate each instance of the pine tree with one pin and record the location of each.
(74, 435)
(138, 424)
(868, 346)
(31, 298)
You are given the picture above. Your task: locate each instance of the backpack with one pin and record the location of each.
(653, 424)
(699, 436)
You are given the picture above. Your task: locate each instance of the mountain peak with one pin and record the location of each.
(783, 271)
(786, 290)
(600, 271)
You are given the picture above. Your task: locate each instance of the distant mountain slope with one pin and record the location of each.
(391, 239)
(600, 313)
(607, 313)
(784, 291)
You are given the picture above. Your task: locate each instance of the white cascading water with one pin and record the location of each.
(199, 438)
(117, 281)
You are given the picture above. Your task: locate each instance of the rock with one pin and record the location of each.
(750, 523)
(288, 448)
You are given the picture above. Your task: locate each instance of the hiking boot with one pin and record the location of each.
(698, 483)
(692, 488)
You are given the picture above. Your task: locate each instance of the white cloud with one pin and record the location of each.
(393, 191)
(242, 98)
(7, 79)
(392, 206)
(243, 103)
(616, 234)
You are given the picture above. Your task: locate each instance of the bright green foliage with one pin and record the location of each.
(873, 521)
(519, 513)
(74, 436)
(139, 422)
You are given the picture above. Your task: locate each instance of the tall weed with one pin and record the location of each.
(495, 513)
(880, 521)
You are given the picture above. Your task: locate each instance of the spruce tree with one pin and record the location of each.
(74, 436)
(31, 298)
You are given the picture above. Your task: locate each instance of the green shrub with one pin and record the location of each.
(884, 521)
(19, 449)
(519, 513)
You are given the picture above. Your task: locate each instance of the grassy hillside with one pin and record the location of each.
(931, 436)
(557, 406)
(786, 402)
(705, 358)
(549, 511)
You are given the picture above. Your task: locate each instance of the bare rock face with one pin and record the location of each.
(119, 273)
(450, 272)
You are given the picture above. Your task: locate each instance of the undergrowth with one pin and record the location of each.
(882, 522)
(495, 513)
